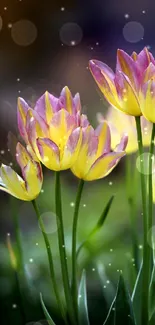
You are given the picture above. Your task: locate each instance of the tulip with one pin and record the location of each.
(52, 130)
(28, 187)
(123, 88)
(120, 123)
(95, 159)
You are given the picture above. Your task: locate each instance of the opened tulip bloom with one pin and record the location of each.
(123, 89)
(53, 129)
(95, 159)
(28, 187)
(120, 123)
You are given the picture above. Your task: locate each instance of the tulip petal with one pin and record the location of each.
(61, 127)
(13, 182)
(149, 73)
(106, 85)
(72, 148)
(104, 136)
(87, 153)
(49, 153)
(123, 143)
(128, 98)
(46, 106)
(129, 67)
(103, 165)
(66, 100)
(148, 101)
(22, 108)
(144, 58)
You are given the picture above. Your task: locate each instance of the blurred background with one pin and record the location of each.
(45, 45)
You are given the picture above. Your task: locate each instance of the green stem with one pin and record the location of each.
(145, 291)
(74, 239)
(131, 187)
(20, 261)
(62, 249)
(150, 195)
(50, 259)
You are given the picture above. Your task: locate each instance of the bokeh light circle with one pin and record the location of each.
(49, 221)
(133, 31)
(71, 34)
(1, 23)
(145, 157)
(24, 32)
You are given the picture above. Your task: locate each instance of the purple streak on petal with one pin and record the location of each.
(144, 58)
(123, 143)
(149, 72)
(62, 104)
(49, 143)
(22, 105)
(124, 79)
(129, 67)
(105, 69)
(107, 144)
(70, 120)
(100, 77)
(76, 103)
(84, 121)
(73, 140)
(40, 106)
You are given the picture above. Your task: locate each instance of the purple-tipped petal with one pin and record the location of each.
(49, 153)
(22, 109)
(66, 101)
(46, 106)
(73, 139)
(129, 67)
(123, 143)
(104, 137)
(105, 83)
(77, 103)
(144, 58)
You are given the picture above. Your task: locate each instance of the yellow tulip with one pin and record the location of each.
(120, 123)
(28, 187)
(95, 159)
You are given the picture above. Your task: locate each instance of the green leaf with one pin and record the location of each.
(123, 305)
(46, 313)
(110, 292)
(104, 213)
(82, 301)
(152, 320)
(111, 315)
(152, 294)
(98, 225)
(137, 296)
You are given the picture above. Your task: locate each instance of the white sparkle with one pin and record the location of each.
(73, 43)
(62, 8)
(111, 250)
(31, 260)
(93, 269)
(140, 247)
(36, 244)
(126, 16)
(72, 204)
(2, 152)
(110, 183)
(144, 12)
(9, 25)
(14, 306)
(84, 205)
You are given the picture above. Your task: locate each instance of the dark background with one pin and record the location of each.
(39, 58)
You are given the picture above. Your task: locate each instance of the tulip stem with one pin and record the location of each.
(145, 291)
(74, 239)
(50, 259)
(132, 209)
(150, 258)
(62, 248)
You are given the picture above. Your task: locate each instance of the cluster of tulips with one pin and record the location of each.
(57, 135)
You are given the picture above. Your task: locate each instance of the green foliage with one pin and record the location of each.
(82, 301)
(46, 313)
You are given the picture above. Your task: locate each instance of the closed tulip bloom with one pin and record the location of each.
(52, 130)
(27, 187)
(122, 89)
(95, 159)
(120, 123)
